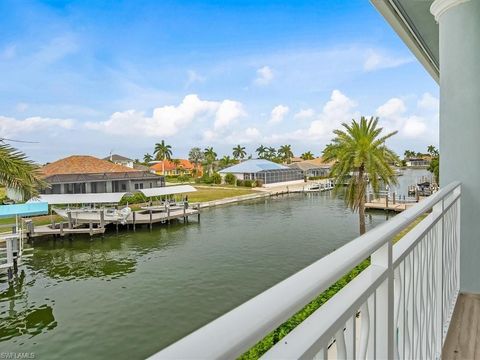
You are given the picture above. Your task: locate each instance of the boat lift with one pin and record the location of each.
(11, 243)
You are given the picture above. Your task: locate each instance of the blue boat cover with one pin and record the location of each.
(30, 209)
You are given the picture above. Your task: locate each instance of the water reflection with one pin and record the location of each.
(17, 316)
(64, 263)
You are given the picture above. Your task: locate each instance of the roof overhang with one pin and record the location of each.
(168, 190)
(64, 199)
(416, 26)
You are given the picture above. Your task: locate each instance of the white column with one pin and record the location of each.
(459, 40)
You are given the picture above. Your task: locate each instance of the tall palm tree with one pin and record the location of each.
(432, 150)
(163, 152)
(147, 158)
(409, 154)
(226, 161)
(270, 153)
(286, 153)
(196, 156)
(210, 157)
(307, 156)
(360, 154)
(239, 152)
(19, 173)
(261, 151)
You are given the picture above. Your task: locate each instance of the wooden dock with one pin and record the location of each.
(384, 204)
(136, 218)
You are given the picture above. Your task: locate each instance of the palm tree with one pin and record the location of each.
(307, 156)
(210, 157)
(360, 150)
(196, 156)
(270, 153)
(226, 161)
(286, 153)
(261, 151)
(409, 154)
(163, 152)
(239, 152)
(147, 158)
(432, 150)
(19, 173)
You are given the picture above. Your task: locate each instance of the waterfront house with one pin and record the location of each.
(312, 168)
(120, 160)
(172, 167)
(422, 161)
(81, 174)
(267, 172)
(418, 298)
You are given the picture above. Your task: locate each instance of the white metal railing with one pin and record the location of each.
(398, 307)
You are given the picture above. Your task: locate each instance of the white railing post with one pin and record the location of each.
(439, 208)
(384, 309)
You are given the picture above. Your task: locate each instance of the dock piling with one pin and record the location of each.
(133, 222)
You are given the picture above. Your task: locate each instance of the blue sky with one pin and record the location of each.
(90, 77)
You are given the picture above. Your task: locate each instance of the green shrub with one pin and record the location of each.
(133, 199)
(240, 182)
(230, 179)
(184, 178)
(216, 178)
(247, 183)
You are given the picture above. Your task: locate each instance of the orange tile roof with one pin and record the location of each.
(82, 164)
(169, 165)
(319, 161)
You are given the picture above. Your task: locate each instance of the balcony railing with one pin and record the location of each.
(399, 307)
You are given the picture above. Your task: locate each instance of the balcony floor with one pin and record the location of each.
(463, 338)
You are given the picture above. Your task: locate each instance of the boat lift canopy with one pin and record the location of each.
(168, 190)
(29, 209)
(64, 199)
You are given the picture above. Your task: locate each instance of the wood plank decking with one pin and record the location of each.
(463, 337)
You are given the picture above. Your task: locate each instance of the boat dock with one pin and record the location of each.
(135, 219)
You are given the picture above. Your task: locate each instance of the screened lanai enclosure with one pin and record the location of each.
(278, 175)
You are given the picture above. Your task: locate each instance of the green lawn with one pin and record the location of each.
(216, 193)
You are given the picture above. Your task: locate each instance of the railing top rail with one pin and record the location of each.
(235, 332)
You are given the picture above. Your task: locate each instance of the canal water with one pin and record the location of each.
(129, 295)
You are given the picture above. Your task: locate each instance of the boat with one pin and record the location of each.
(93, 215)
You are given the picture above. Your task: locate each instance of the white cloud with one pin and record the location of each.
(428, 102)
(264, 76)
(414, 127)
(393, 118)
(228, 112)
(278, 113)
(392, 108)
(339, 109)
(304, 114)
(376, 60)
(169, 120)
(10, 126)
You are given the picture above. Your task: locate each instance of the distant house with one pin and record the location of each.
(80, 174)
(313, 168)
(267, 172)
(423, 161)
(120, 160)
(170, 167)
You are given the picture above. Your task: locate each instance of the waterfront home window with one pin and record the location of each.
(136, 186)
(124, 187)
